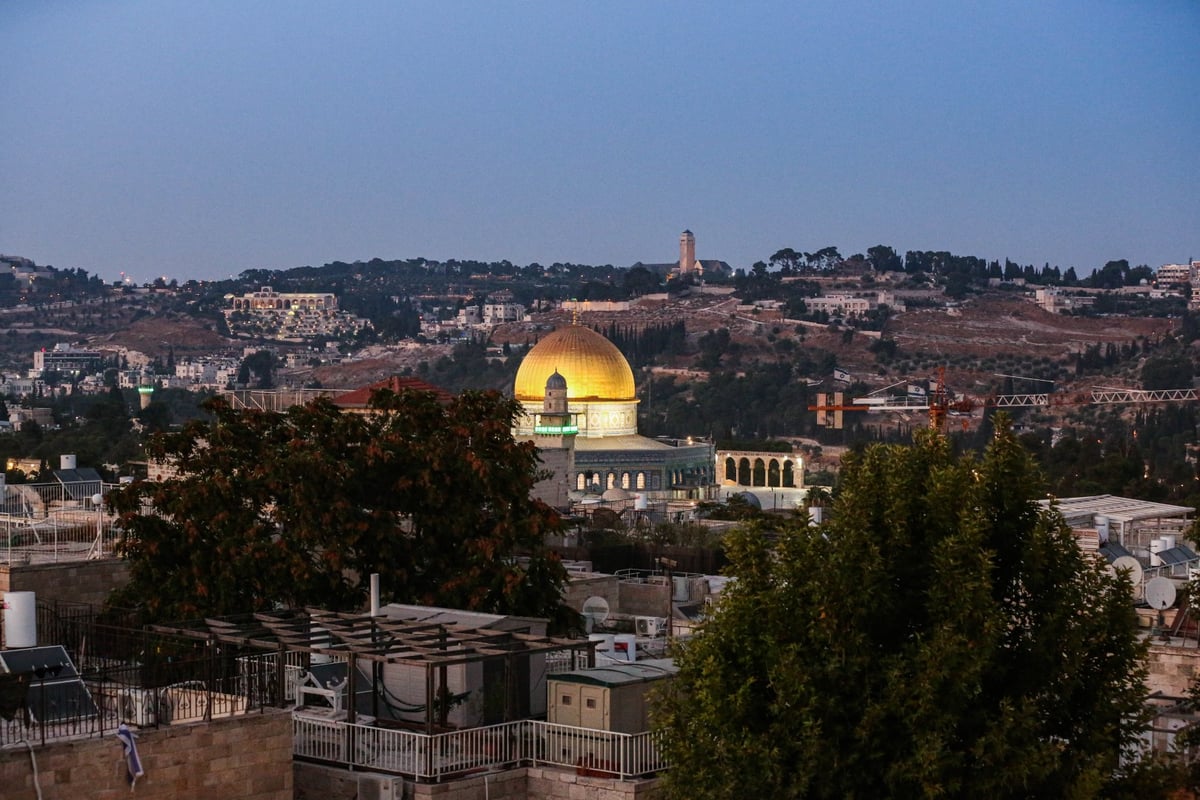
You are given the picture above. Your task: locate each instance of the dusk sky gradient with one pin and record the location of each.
(200, 139)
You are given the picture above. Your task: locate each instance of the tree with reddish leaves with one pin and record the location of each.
(298, 508)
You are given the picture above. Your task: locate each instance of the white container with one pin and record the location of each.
(67, 461)
(625, 647)
(604, 642)
(1169, 540)
(1102, 529)
(20, 619)
(1156, 547)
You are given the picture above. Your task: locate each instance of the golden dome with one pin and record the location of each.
(593, 366)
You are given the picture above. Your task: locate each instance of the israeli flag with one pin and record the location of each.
(916, 392)
(840, 374)
(133, 763)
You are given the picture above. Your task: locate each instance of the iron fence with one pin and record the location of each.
(105, 675)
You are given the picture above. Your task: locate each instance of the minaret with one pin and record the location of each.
(554, 432)
(687, 252)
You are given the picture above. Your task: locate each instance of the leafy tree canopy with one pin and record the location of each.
(298, 508)
(942, 636)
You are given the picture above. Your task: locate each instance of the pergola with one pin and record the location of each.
(432, 645)
(1132, 523)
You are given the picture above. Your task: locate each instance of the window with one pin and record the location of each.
(591, 702)
(566, 700)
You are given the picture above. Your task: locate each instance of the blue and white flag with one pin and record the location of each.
(133, 763)
(840, 374)
(915, 391)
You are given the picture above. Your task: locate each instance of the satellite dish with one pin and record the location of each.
(1160, 593)
(595, 612)
(1132, 565)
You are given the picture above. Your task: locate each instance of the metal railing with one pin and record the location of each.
(440, 756)
(114, 674)
(50, 522)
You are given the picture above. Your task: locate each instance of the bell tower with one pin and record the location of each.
(687, 252)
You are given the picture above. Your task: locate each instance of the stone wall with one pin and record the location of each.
(1173, 668)
(68, 581)
(247, 757)
(315, 782)
(645, 599)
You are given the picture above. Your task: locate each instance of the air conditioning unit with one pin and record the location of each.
(372, 786)
(646, 626)
(139, 707)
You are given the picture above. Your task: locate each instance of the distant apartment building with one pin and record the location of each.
(66, 359)
(1176, 274)
(499, 313)
(22, 417)
(1054, 300)
(852, 304)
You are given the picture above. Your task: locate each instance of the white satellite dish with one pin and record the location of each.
(1132, 565)
(595, 612)
(1160, 593)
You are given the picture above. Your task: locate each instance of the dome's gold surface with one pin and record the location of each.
(593, 366)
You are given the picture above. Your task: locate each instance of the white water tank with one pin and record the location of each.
(67, 461)
(639, 502)
(20, 619)
(680, 591)
(1101, 523)
(625, 647)
(1156, 547)
(1169, 540)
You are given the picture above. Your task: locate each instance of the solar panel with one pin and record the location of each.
(51, 658)
(60, 700)
(51, 685)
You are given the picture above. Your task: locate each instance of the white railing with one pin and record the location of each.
(436, 757)
(50, 522)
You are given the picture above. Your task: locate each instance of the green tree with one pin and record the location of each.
(942, 636)
(298, 508)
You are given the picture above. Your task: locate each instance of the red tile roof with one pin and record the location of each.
(359, 397)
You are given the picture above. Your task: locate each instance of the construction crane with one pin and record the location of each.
(940, 403)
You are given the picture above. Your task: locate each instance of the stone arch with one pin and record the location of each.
(773, 473)
(730, 470)
(789, 474)
(759, 473)
(744, 472)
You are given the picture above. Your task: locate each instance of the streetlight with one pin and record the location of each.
(98, 503)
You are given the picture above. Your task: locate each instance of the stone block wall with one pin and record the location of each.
(645, 599)
(315, 782)
(68, 581)
(1173, 667)
(248, 757)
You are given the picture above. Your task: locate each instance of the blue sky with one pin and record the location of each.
(196, 140)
